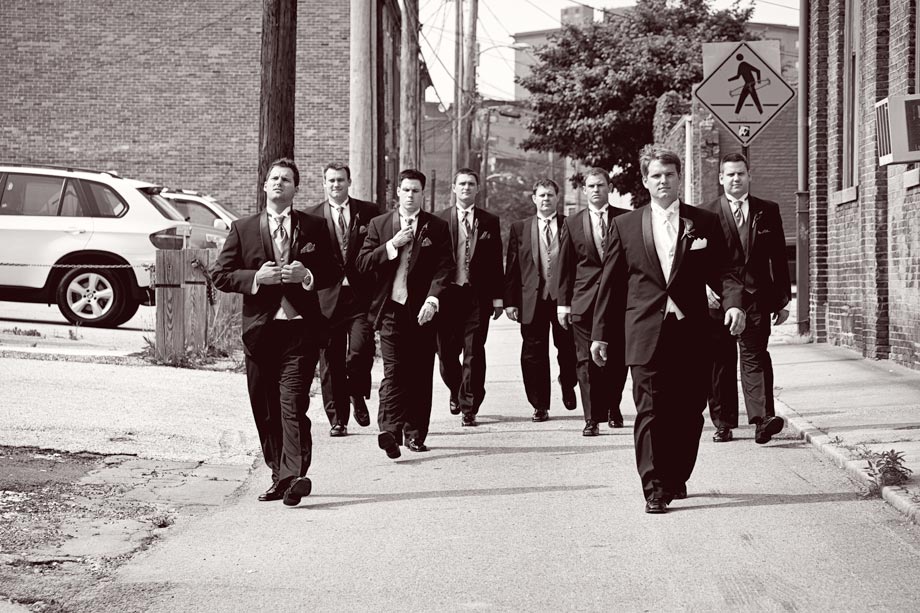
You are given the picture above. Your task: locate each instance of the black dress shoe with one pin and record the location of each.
(300, 487)
(615, 423)
(275, 492)
(723, 435)
(338, 430)
(454, 407)
(568, 399)
(590, 429)
(678, 493)
(656, 505)
(468, 420)
(415, 445)
(540, 415)
(361, 415)
(768, 427)
(387, 442)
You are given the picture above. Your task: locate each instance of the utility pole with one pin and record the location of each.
(362, 107)
(276, 96)
(484, 164)
(456, 159)
(469, 83)
(409, 94)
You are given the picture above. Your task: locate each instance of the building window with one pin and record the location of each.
(851, 79)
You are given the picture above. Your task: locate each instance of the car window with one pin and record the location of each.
(31, 195)
(108, 203)
(71, 205)
(194, 212)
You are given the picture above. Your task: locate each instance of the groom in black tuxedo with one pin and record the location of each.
(277, 259)
(653, 289)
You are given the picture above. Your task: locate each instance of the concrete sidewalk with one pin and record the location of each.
(848, 406)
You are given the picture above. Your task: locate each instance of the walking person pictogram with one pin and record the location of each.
(747, 72)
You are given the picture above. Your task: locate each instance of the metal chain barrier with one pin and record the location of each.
(145, 266)
(209, 282)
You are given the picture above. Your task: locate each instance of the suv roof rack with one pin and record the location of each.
(59, 167)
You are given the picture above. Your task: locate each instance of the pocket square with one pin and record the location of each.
(763, 231)
(483, 236)
(308, 248)
(426, 242)
(698, 243)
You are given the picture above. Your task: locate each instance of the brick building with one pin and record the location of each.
(864, 219)
(168, 90)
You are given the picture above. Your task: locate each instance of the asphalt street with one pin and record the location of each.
(509, 516)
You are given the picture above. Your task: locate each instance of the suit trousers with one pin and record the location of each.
(670, 396)
(279, 378)
(601, 386)
(463, 327)
(408, 367)
(756, 370)
(535, 354)
(345, 362)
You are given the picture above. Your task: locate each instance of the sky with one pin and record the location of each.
(498, 19)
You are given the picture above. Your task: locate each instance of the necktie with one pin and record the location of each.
(738, 213)
(602, 226)
(547, 234)
(400, 291)
(742, 226)
(672, 231)
(467, 240)
(342, 231)
(281, 238)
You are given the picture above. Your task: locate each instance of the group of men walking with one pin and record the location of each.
(615, 288)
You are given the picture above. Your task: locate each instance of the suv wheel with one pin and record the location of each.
(93, 297)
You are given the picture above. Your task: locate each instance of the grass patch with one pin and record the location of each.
(17, 331)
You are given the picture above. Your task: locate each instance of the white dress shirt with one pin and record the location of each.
(346, 213)
(665, 225)
(743, 203)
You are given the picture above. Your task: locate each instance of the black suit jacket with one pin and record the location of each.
(633, 294)
(580, 264)
(430, 264)
(764, 270)
(486, 273)
(249, 245)
(362, 213)
(522, 266)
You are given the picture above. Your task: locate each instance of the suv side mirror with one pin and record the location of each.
(220, 224)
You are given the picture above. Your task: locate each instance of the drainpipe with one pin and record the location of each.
(803, 287)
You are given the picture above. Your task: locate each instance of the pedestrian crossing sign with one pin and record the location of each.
(744, 93)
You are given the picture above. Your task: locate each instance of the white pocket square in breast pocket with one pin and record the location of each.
(698, 243)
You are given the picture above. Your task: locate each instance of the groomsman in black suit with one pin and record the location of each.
(753, 230)
(474, 294)
(531, 284)
(581, 260)
(277, 259)
(653, 289)
(345, 363)
(409, 252)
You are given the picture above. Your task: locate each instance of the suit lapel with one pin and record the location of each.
(421, 226)
(728, 223)
(753, 210)
(682, 242)
(589, 233)
(454, 230)
(475, 237)
(330, 227)
(267, 246)
(295, 233)
(649, 239)
(534, 245)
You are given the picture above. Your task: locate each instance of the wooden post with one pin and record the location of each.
(409, 94)
(469, 85)
(361, 109)
(456, 161)
(276, 99)
(182, 304)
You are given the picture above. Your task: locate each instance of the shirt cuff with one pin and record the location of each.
(604, 343)
(308, 286)
(434, 301)
(498, 303)
(392, 250)
(255, 285)
(563, 310)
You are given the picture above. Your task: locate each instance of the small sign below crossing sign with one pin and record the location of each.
(744, 93)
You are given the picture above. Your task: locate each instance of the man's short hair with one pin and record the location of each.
(733, 157)
(337, 166)
(412, 174)
(547, 183)
(597, 171)
(466, 171)
(656, 153)
(285, 163)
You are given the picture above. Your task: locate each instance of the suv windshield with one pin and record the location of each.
(162, 205)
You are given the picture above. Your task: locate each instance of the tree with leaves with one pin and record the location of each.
(594, 88)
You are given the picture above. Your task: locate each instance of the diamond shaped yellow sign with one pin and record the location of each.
(744, 93)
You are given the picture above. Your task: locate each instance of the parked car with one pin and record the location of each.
(205, 233)
(201, 209)
(83, 239)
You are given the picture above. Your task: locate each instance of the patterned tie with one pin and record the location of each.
(738, 213)
(468, 239)
(742, 226)
(342, 231)
(602, 223)
(548, 234)
(400, 291)
(283, 243)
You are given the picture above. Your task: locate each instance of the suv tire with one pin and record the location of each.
(95, 297)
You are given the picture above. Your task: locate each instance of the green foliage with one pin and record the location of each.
(594, 88)
(887, 468)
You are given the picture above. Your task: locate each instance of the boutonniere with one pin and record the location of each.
(757, 217)
(688, 230)
(362, 229)
(308, 248)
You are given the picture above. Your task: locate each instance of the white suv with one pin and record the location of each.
(201, 209)
(86, 240)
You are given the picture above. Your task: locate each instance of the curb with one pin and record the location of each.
(896, 496)
(95, 358)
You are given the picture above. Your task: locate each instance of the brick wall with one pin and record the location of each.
(166, 90)
(819, 85)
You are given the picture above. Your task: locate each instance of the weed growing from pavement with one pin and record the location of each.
(17, 331)
(74, 333)
(888, 468)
